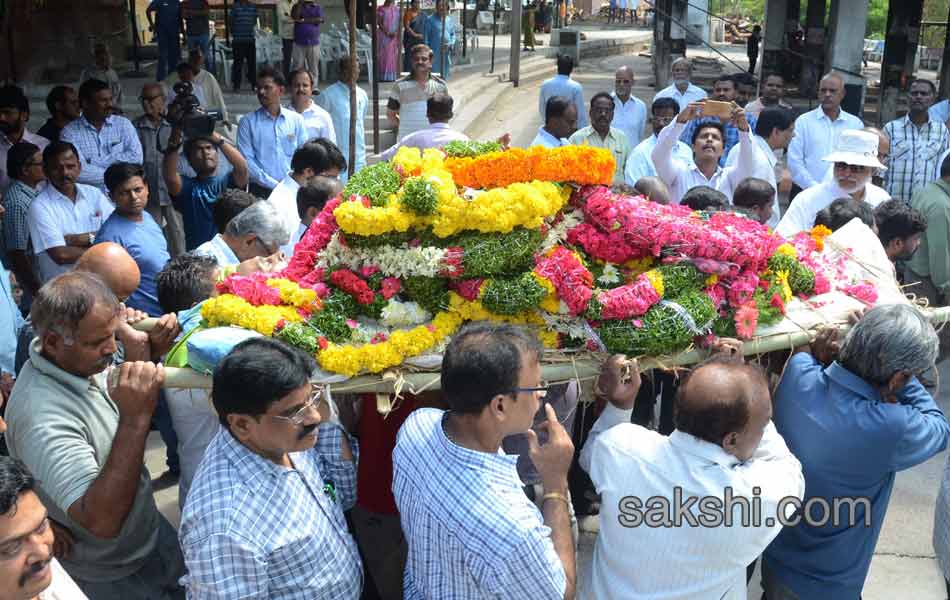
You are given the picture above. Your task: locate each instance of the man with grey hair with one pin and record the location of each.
(680, 88)
(259, 230)
(853, 423)
(81, 428)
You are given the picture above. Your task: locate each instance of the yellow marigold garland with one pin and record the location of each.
(494, 211)
(228, 309)
(584, 165)
(293, 294)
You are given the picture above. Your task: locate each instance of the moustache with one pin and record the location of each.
(307, 430)
(33, 570)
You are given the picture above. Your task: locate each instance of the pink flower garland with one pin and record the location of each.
(631, 300)
(864, 292)
(300, 268)
(571, 279)
(252, 288)
(467, 288)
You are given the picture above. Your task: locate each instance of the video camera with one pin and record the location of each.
(185, 112)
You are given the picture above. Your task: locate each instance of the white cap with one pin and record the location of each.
(856, 147)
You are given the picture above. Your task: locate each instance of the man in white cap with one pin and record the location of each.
(854, 160)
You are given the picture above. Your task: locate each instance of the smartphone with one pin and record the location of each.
(715, 108)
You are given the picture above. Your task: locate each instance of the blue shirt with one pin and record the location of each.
(268, 144)
(243, 21)
(472, 532)
(11, 321)
(336, 101)
(563, 85)
(254, 529)
(167, 15)
(194, 202)
(850, 444)
(145, 243)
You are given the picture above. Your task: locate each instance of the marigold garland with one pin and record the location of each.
(584, 165)
(228, 309)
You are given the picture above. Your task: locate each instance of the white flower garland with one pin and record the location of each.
(392, 261)
(403, 314)
(557, 235)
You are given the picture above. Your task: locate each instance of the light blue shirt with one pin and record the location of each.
(940, 111)
(471, 531)
(268, 144)
(220, 250)
(640, 164)
(336, 101)
(11, 321)
(547, 140)
(433, 27)
(850, 444)
(563, 85)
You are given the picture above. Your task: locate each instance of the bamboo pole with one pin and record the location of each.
(587, 366)
(374, 27)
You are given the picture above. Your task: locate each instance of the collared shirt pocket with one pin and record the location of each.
(288, 143)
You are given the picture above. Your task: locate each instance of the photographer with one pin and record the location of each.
(194, 196)
(154, 131)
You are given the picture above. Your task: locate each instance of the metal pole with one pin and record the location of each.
(135, 35)
(445, 8)
(374, 28)
(514, 62)
(494, 34)
(945, 62)
(464, 26)
(399, 34)
(354, 66)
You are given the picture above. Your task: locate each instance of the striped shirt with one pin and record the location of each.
(243, 21)
(253, 529)
(99, 149)
(471, 531)
(16, 222)
(915, 155)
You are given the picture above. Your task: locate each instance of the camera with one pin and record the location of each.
(185, 112)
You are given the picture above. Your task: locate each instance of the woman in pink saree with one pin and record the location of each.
(387, 42)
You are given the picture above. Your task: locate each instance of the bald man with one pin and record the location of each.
(153, 131)
(724, 451)
(654, 189)
(630, 113)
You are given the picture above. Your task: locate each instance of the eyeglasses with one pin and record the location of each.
(857, 169)
(299, 417)
(540, 391)
(268, 249)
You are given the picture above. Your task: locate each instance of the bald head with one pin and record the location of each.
(654, 189)
(623, 82)
(114, 265)
(725, 402)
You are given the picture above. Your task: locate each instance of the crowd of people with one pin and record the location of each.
(472, 491)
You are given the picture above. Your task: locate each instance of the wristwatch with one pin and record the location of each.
(92, 238)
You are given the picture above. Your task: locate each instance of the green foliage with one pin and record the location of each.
(393, 238)
(376, 182)
(800, 278)
(470, 149)
(301, 335)
(663, 330)
(419, 196)
(487, 255)
(331, 321)
(512, 296)
(431, 293)
(680, 278)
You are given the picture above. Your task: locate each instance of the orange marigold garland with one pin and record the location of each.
(584, 165)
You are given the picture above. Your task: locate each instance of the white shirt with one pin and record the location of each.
(62, 587)
(640, 163)
(53, 216)
(318, 122)
(301, 229)
(685, 561)
(220, 250)
(547, 140)
(806, 205)
(768, 161)
(693, 93)
(815, 138)
(284, 197)
(681, 178)
(630, 117)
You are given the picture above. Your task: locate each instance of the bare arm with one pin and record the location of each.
(106, 504)
(65, 255)
(170, 164)
(23, 269)
(240, 173)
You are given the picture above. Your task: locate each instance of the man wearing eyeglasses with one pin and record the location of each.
(264, 517)
(854, 160)
(470, 529)
(259, 230)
